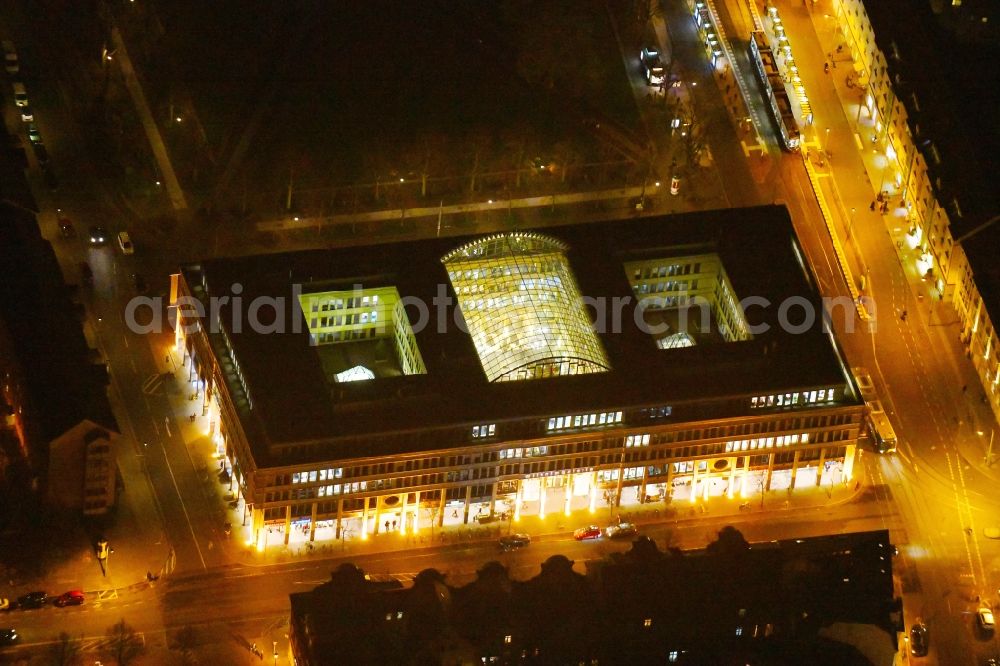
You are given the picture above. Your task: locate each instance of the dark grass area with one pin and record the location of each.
(348, 92)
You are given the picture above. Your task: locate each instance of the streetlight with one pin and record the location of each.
(989, 448)
(826, 141)
(850, 223)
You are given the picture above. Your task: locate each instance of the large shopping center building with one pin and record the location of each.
(526, 373)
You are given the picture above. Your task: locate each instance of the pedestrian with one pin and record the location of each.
(965, 387)
(872, 207)
(387, 526)
(903, 316)
(394, 526)
(826, 68)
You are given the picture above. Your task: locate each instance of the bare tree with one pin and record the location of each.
(124, 643)
(64, 651)
(185, 641)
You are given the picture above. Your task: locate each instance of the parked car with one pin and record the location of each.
(125, 242)
(10, 61)
(588, 532)
(71, 598)
(5, 604)
(919, 640)
(20, 94)
(9, 636)
(34, 136)
(42, 156)
(27, 115)
(139, 283)
(514, 541)
(984, 618)
(98, 235)
(33, 600)
(66, 228)
(652, 67)
(86, 274)
(621, 531)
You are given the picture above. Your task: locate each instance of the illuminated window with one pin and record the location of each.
(739, 631)
(507, 639)
(672, 657)
(637, 440)
(480, 431)
(648, 622)
(528, 320)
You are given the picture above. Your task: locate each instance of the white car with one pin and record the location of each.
(675, 186)
(125, 243)
(10, 62)
(27, 115)
(984, 616)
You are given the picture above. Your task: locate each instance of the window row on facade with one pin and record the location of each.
(729, 431)
(568, 462)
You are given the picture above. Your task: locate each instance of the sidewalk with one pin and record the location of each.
(928, 306)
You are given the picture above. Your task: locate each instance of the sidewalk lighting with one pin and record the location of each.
(989, 448)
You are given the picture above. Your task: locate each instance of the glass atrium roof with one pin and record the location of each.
(523, 308)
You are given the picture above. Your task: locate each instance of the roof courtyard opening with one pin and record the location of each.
(687, 300)
(361, 334)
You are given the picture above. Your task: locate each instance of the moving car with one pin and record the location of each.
(588, 532)
(125, 242)
(98, 235)
(984, 618)
(621, 531)
(919, 640)
(33, 600)
(71, 598)
(9, 636)
(514, 541)
(5, 604)
(10, 61)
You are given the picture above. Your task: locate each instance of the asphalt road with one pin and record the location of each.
(243, 600)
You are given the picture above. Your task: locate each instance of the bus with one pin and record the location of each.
(879, 428)
(773, 86)
(880, 431)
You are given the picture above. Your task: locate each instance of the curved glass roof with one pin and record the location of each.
(523, 308)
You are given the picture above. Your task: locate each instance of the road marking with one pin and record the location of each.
(187, 517)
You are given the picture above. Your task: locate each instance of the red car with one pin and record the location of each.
(588, 532)
(71, 598)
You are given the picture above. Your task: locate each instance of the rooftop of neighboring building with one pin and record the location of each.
(291, 397)
(44, 335)
(785, 596)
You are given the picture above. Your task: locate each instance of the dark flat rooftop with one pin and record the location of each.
(292, 400)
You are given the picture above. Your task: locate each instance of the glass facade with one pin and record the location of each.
(523, 308)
